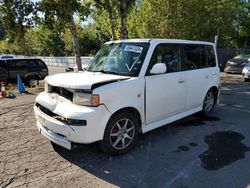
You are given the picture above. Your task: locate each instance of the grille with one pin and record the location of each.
(60, 118)
(61, 91)
(46, 110)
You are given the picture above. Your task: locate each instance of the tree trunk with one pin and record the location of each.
(123, 15)
(111, 19)
(75, 42)
(112, 26)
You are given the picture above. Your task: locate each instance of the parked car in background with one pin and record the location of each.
(130, 87)
(246, 72)
(31, 70)
(72, 67)
(236, 64)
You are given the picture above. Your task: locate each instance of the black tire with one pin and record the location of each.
(32, 81)
(123, 138)
(247, 79)
(208, 103)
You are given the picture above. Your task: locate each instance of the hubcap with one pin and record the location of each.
(122, 133)
(209, 102)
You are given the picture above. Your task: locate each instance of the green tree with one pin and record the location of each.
(16, 17)
(194, 19)
(63, 12)
(44, 42)
(110, 7)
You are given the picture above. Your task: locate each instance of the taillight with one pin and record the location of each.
(44, 70)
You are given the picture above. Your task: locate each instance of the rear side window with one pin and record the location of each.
(24, 63)
(17, 64)
(168, 54)
(194, 57)
(40, 63)
(211, 56)
(198, 56)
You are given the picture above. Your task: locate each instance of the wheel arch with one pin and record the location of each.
(33, 74)
(215, 90)
(133, 111)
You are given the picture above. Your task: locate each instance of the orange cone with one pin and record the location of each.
(3, 91)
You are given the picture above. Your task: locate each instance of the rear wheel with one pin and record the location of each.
(120, 134)
(209, 103)
(32, 81)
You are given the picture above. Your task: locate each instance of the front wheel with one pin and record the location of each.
(246, 79)
(120, 134)
(209, 103)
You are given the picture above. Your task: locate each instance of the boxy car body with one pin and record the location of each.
(131, 86)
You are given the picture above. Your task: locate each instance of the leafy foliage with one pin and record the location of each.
(47, 26)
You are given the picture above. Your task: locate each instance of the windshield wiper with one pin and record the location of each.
(105, 72)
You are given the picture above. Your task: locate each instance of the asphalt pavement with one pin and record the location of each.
(191, 153)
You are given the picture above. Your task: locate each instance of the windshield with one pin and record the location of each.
(119, 58)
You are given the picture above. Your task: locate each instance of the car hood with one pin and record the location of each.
(82, 80)
(239, 60)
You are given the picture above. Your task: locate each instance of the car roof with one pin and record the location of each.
(13, 59)
(155, 40)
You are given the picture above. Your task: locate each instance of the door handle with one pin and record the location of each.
(181, 81)
(206, 77)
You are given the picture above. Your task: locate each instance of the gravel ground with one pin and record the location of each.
(166, 157)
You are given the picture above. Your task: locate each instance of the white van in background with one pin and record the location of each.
(130, 87)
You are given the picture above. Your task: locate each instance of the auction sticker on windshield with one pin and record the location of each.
(136, 49)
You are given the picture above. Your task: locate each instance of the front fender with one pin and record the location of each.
(123, 94)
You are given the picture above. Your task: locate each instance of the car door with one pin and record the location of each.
(197, 74)
(3, 70)
(165, 93)
(17, 67)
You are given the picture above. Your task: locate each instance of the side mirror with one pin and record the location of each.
(159, 68)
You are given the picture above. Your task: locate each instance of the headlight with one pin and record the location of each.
(231, 63)
(46, 87)
(247, 65)
(86, 99)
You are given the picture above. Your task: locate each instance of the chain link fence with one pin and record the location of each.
(63, 61)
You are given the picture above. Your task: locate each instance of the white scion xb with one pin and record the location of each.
(130, 87)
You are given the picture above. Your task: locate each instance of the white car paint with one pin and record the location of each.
(81, 80)
(246, 72)
(158, 99)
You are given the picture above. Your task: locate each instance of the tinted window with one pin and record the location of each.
(194, 57)
(211, 56)
(40, 63)
(168, 54)
(2, 64)
(22, 63)
(3, 67)
(17, 64)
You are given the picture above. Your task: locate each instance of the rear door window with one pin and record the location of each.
(17, 64)
(194, 56)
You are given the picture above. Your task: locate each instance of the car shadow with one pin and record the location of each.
(146, 165)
